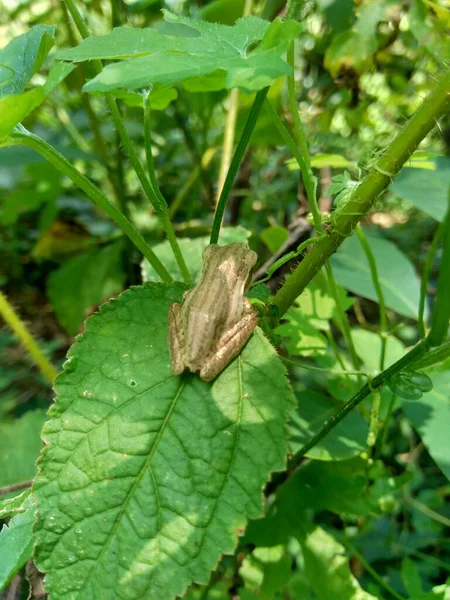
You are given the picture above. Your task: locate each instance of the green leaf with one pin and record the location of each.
(14, 108)
(399, 282)
(266, 570)
(411, 577)
(327, 569)
(368, 348)
(350, 50)
(430, 417)
(425, 190)
(22, 57)
(147, 478)
(16, 543)
(204, 56)
(318, 161)
(274, 237)
(346, 440)
(311, 314)
(222, 11)
(192, 250)
(20, 445)
(433, 36)
(13, 506)
(302, 337)
(96, 276)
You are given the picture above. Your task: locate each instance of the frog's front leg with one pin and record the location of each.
(229, 345)
(176, 339)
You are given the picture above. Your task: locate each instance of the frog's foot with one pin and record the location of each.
(229, 345)
(176, 339)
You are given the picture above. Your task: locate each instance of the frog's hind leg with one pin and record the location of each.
(229, 345)
(176, 339)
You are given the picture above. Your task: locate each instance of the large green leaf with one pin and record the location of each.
(431, 418)
(96, 276)
(426, 190)
(347, 439)
(399, 282)
(20, 445)
(200, 55)
(192, 250)
(16, 543)
(22, 57)
(147, 478)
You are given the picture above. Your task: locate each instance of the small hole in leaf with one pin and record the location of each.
(132, 383)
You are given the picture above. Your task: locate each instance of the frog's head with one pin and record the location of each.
(236, 257)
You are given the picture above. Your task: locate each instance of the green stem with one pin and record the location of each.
(433, 357)
(429, 512)
(351, 548)
(374, 426)
(153, 194)
(236, 161)
(302, 157)
(66, 167)
(426, 276)
(414, 354)
(163, 211)
(293, 8)
(26, 339)
(228, 139)
(376, 283)
(302, 365)
(342, 316)
(346, 217)
(441, 310)
(310, 183)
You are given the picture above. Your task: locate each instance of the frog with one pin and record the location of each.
(215, 320)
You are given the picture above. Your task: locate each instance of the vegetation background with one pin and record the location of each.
(361, 513)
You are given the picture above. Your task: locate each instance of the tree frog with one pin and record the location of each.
(215, 319)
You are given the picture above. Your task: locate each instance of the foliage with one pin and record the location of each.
(316, 465)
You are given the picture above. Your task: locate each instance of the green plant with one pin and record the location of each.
(147, 479)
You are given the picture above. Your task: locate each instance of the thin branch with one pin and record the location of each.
(15, 487)
(346, 217)
(414, 354)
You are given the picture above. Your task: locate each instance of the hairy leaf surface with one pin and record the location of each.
(202, 56)
(148, 478)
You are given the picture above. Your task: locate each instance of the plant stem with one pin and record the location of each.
(302, 157)
(432, 357)
(351, 548)
(349, 214)
(236, 161)
(228, 139)
(164, 210)
(64, 166)
(15, 487)
(342, 317)
(414, 354)
(376, 283)
(426, 276)
(153, 194)
(26, 339)
(293, 8)
(429, 512)
(441, 310)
